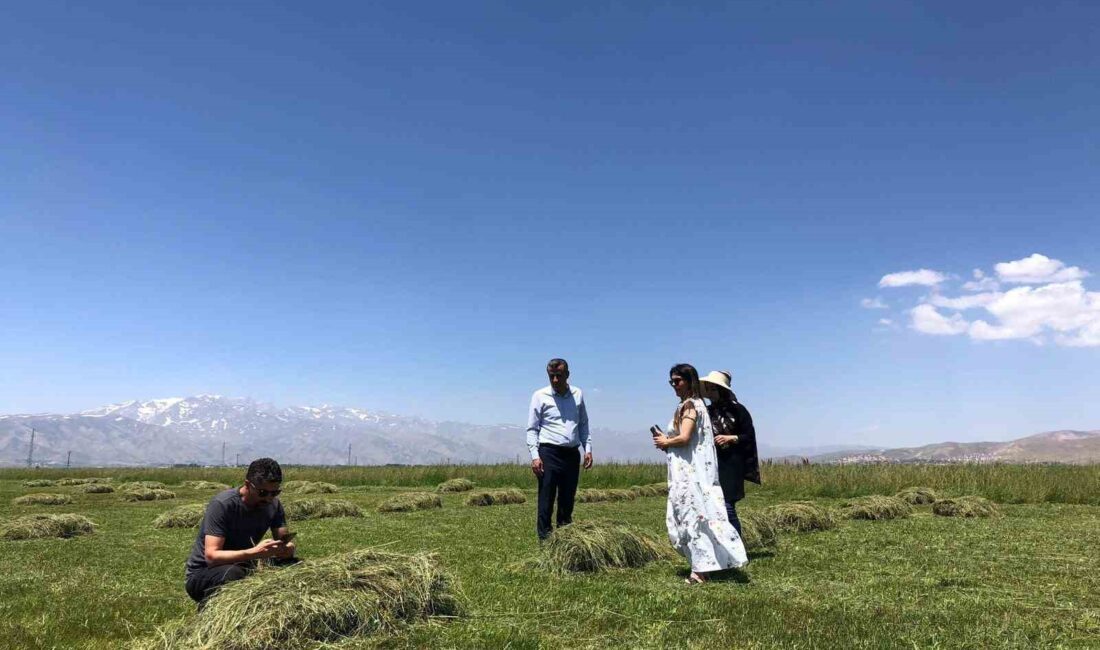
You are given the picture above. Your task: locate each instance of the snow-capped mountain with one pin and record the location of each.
(193, 430)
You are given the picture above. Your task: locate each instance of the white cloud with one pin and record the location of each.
(981, 283)
(886, 322)
(926, 320)
(1038, 269)
(873, 303)
(963, 302)
(921, 277)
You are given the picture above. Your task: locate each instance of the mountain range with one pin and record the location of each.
(212, 430)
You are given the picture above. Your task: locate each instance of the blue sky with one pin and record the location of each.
(411, 208)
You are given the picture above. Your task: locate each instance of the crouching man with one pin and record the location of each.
(230, 538)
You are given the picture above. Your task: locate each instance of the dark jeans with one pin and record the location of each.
(203, 583)
(731, 514)
(561, 469)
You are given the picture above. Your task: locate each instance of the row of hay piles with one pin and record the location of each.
(968, 506)
(42, 499)
(592, 496)
(147, 494)
(320, 509)
(355, 594)
(496, 498)
(917, 496)
(651, 490)
(411, 501)
(145, 485)
(591, 546)
(799, 517)
(758, 531)
(43, 526)
(187, 516)
(876, 508)
(205, 485)
(309, 487)
(39, 482)
(95, 488)
(455, 485)
(84, 481)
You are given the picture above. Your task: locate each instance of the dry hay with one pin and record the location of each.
(187, 516)
(968, 506)
(147, 494)
(42, 499)
(39, 482)
(592, 546)
(800, 517)
(917, 496)
(411, 501)
(496, 498)
(83, 481)
(204, 485)
(321, 509)
(309, 487)
(592, 496)
(876, 508)
(651, 490)
(455, 485)
(146, 485)
(357, 594)
(95, 488)
(43, 526)
(758, 531)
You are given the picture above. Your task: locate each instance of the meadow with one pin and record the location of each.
(1028, 578)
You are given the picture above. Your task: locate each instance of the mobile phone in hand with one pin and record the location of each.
(656, 431)
(289, 537)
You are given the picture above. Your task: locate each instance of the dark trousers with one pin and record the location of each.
(561, 470)
(731, 514)
(203, 583)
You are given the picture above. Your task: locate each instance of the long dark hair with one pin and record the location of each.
(688, 372)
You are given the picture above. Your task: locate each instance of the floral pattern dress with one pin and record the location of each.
(696, 516)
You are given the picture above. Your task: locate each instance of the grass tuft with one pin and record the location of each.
(455, 485)
(95, 488)
(876, 508)
(147, 494)
(320, 509)
(411, 501)
(44, 526)
(143, 485)
(205, 485)
(496, 498)
(42, 499)
(968, 506)
(187, 516)
(758, 531)
(598, 545)
(362, 593)
(309, 487)
(592, 496)
(39, 482)
(650, 490)
(800, 517)
(917, 496)
(83, 481)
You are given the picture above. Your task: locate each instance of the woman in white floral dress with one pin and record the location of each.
(696, 514)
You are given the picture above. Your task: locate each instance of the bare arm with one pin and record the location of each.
(686, 428)
(216, 555)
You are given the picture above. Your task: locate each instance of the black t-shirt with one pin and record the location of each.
(242, 527)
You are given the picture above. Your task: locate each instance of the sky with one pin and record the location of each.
(880, 217)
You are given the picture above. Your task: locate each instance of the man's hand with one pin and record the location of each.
(536, 467)
(286, 551)
(724, 441)
(268, 548)
(588, 460)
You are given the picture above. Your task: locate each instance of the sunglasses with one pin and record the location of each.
(264, 493)
(676, 381)
(556, 375)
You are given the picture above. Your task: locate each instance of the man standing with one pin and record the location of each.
(229, 539)
(557, 427)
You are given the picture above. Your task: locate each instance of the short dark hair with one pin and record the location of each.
(557, 363)
(688, 373)
(264, 470)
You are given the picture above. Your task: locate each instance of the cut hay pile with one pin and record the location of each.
(147, 494)
(651, 490)
(592, 496)
(876, 508)
(39, 482)
(799, 517)
(187, 516)
(496, 498)
(83, 481)
(321, 509)
(917, 496)
(146, 485)
(969, 506)
(42, 499)
(309, 487)
(591, 546)
(411, 501)
(356, 594)
(455, 485)
(205, 485)
(95, 488)
(758, 531)
(43, 526)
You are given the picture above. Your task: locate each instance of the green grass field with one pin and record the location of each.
(1028, 579)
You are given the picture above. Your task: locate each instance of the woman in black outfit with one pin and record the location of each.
(734, 439)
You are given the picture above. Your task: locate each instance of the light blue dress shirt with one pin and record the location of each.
(557, 420)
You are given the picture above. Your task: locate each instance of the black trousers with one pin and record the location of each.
(203, 583)
(561, 470)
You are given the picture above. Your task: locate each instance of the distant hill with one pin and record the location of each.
(1076, 447)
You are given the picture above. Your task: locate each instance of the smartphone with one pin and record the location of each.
(289, 537)
(656, 431)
